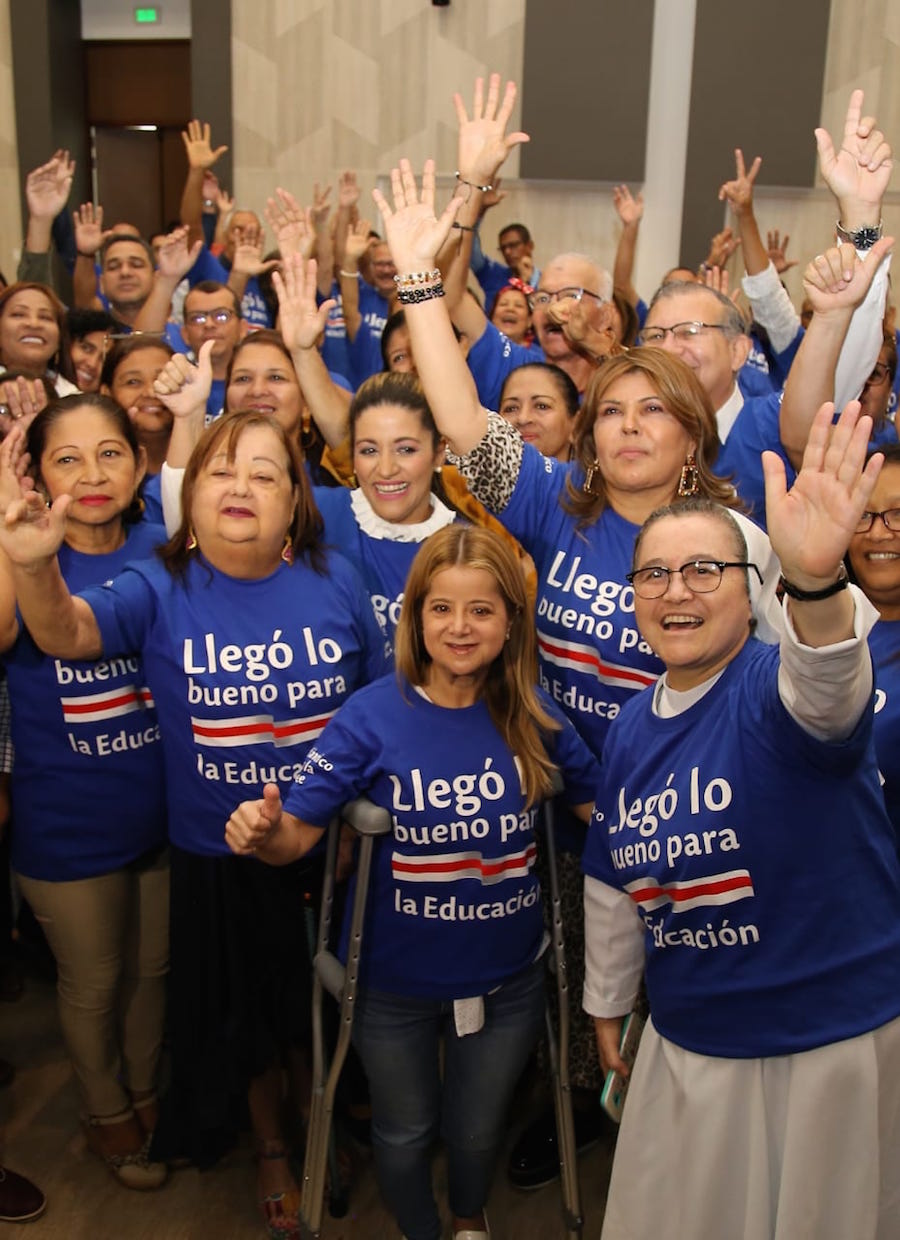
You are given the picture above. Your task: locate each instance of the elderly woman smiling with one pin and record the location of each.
(740, 848)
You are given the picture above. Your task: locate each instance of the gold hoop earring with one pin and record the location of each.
(287, 551)
(689, 482)
(190, 543)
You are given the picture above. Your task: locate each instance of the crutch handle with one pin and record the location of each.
(331, 973)
(366, 818)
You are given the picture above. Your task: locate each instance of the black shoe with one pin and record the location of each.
(534, 1160)
(20, 1200)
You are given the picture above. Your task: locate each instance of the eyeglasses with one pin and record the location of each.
(199, 318)
(700, 576)
(543, 298)
(890, 517)
(681, 331)
(880, 372)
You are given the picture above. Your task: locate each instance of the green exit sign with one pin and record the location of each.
(146, 16)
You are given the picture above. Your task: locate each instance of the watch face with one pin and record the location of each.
(863, 238)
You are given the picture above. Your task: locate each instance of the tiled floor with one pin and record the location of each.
(43, 1141)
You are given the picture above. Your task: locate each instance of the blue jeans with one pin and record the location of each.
(398, 1039)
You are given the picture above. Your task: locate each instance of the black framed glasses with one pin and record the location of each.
(890, 517)
(199, 318)
(700, 576)
(680, 331)
(543, 298)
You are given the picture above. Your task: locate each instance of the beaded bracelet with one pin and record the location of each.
(485, 189)
(411, 296)
(417, 279)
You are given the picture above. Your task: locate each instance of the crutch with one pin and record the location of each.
(559, 1048)
(368, 821)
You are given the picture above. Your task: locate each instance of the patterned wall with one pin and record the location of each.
(10, 215)
(322, 85)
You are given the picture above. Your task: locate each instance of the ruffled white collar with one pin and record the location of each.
(370, 523)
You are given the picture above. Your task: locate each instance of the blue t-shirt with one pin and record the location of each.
(382, 563)
(454, 903)
(492, 357)
(365, 350)
(740, 457)
(884, 644)
(87, 783)
(761, 862)
(245, 675)
(336, 347)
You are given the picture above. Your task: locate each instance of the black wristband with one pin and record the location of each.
(814, 596)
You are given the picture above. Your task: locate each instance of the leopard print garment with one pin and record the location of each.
(492, 467)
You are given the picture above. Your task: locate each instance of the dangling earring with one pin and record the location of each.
(287, 551)
(191, 541)
(689, 482)
(588, 486)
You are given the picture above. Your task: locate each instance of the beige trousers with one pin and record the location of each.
(110, 937)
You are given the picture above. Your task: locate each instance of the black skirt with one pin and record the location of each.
(239, 991)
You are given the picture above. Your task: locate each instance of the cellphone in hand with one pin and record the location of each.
(615, 1087)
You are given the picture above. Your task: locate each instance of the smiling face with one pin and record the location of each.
(567, 271)
(383, 269)
(511, 314)
(394, 458)
(695, 635)
(535, 406)
(713, 355)
(29, 331)
(87, 354)
(262, 379)
(86, 456)
(875, 554)
(641, 447)
(132, 387)
(399, 352)
(464, 627)
(242, 505)
(225, 335)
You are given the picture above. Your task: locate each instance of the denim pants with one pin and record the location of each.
(398, 1039)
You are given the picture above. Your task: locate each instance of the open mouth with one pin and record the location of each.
(882, 555)
(38, 340)
(234, 511)
(84, 377)
(388, 490)
(680, 623)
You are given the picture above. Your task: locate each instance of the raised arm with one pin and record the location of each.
(89, 237)
(200, 156)
(415, 235)
(630, 211)
(262, 829)
(482, 148)
(46, 193)
(302, 323)
(355, 245)
(30, 536)
(173, 263)
(811, 525)
(836, 282)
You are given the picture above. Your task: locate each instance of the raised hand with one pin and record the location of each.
(358, 239)
(589, 325)
(321, 207)
(859, 171)
(739, 192)
(15, 482)
(721, 248)
(30, 531)
(811, 525)
(184, 388)
(174, 259)
(198, 146)
(629, 209)
(224, 202)
(492, 197)
(839, 279)
(301, 321)
(414, 233)
(776, 248)
(253, 822)
(292, 226)
(47, 188)
(348, 190)
(21, 400)
(483, 141)
(248, 260)
(89, 231)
